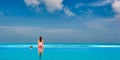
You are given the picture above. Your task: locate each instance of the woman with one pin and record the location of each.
(40, 46)
(40, 42)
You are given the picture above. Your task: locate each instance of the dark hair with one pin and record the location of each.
(40, 39)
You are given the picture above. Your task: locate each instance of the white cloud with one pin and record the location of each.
(68, 12)
(79, 5)
(114, 3)
(101, 3)
(98, 25)
(34, 30)
(53, 5)
(50, 5)
(32, 3)
(104, 24)
(116, 7)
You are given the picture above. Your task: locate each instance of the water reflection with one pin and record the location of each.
(40, 52)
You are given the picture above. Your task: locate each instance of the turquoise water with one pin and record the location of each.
(60, 52)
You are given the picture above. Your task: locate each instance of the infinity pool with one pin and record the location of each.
(56, 52)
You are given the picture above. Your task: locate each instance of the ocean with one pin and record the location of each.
(60, 52)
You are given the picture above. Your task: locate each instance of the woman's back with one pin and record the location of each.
(40, 42)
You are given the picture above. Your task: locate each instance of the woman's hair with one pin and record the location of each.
(40, 39)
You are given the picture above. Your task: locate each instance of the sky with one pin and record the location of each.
(60, 21)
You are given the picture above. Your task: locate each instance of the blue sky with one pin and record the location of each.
(60, 21)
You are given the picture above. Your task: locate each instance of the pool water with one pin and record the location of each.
(79, 53)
